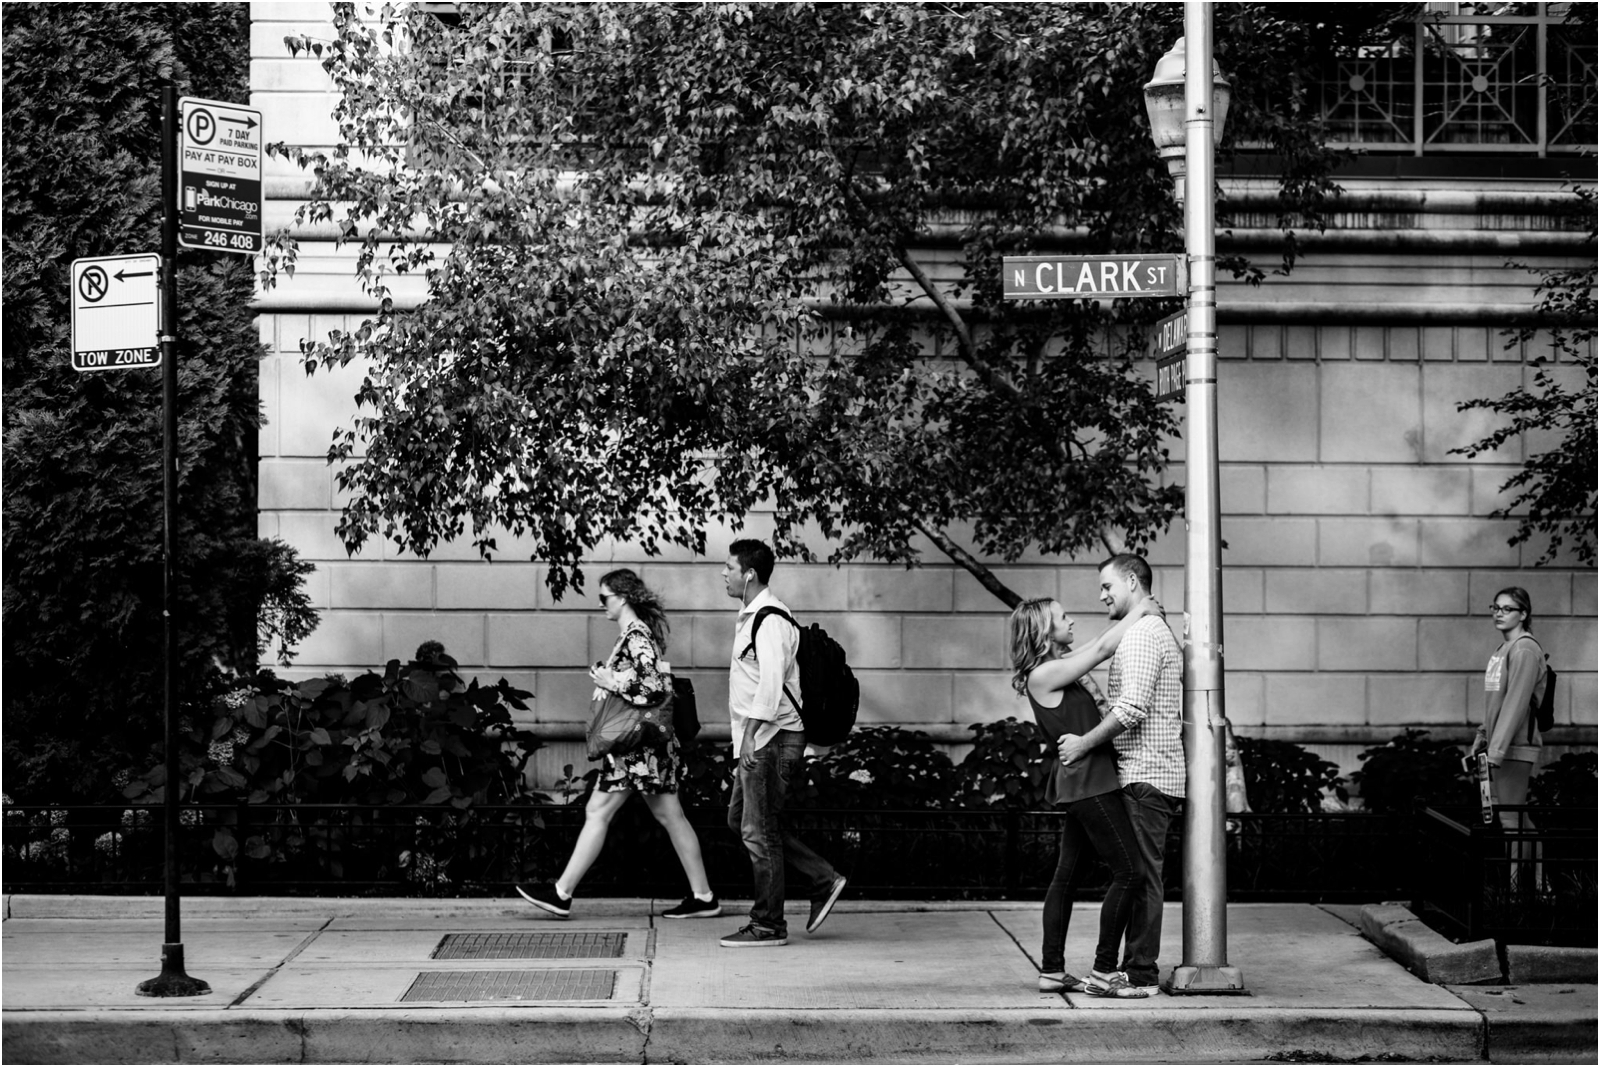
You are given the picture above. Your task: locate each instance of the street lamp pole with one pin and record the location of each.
(1205, 966)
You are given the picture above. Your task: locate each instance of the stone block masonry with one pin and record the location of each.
(1360, 557)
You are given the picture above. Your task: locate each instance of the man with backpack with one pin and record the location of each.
(769, 742)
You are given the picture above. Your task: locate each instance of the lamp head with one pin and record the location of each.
(1164, 103)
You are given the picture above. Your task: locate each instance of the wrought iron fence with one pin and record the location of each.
(482, 851)
(1532, 885)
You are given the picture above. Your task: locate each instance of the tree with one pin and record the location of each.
(699, 257)
(83, 598)
(1556, 486)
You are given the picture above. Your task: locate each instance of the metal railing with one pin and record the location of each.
(439, 851)
(1519, 82)
(1531, 885)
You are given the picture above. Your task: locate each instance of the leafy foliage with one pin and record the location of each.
(1569, 782)
(1556, 486)
(878, 768)
(1412, 769)
(1006, 767)
(1281, 776)
(700, 257)
(83, 504)
(413, 735)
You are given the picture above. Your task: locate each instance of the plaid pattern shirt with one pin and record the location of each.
(1146, 688)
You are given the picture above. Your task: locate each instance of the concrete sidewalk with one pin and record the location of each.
(346, 981)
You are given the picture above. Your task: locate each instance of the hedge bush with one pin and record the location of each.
(82, 486)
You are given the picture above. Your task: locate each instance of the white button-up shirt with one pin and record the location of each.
(756, 682)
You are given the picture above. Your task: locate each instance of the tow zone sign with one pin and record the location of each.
(115, 312)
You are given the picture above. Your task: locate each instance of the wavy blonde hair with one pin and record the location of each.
(1028, 633)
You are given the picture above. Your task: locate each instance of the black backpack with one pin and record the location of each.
(829, 692)
(1544, 705)
(685, 715)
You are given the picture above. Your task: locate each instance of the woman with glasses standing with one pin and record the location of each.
(1513, 683)
(635, 671)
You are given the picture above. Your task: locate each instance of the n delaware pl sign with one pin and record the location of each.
(1090, 277)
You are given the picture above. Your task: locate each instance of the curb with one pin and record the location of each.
(1530, 964)
(708, 1035)
(1424, 951)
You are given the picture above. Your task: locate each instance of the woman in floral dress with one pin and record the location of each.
(635, 671)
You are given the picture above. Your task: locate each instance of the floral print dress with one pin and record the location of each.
(640, 680)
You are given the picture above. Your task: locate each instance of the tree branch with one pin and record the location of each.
(960, 555)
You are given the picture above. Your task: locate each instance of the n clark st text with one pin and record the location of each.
(1090, 277)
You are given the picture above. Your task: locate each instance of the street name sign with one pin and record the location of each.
(1169, 344)
(219, 176)
(1090, 277)
(115, 314)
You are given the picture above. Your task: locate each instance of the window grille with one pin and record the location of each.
(1469, 78)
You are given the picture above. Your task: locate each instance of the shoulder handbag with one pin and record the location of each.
(659, 719)
(615, 726)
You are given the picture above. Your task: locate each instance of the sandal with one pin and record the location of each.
(1059, 982)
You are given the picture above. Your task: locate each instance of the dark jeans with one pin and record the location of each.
(1099, 824)
(755, 813)
(1150, 811)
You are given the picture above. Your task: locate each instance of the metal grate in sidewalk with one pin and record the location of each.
(585, 945)
(567, 984)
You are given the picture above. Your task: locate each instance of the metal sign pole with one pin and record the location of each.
(173, 981)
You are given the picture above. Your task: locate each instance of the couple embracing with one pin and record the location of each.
(1118, 774)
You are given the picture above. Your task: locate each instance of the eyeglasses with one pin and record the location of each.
(1502, 609)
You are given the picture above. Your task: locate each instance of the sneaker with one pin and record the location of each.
(1113, 984)
(752, 936)
(820, 908)
(695, 908)
(546, 897)
(1059, 982)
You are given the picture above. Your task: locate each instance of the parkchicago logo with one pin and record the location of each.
(209, 199)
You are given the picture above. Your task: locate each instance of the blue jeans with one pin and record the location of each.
(755, 813)
(1097, 824)
(1150, 811)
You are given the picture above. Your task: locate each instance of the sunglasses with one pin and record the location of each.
(606, 597)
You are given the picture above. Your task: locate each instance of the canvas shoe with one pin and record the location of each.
(692, 907)
(821, 908)
(752, 936)
(1113, 984)
(546, 897)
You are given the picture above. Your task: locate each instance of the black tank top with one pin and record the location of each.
(1091, 776)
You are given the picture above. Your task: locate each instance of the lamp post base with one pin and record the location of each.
(172, 981)
(1216, 981)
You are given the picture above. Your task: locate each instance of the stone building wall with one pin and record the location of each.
(1360, 560)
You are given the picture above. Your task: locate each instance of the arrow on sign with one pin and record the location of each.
(123, 274)
(249, 122)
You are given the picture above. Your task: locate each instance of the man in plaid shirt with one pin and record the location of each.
(1145, 723)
